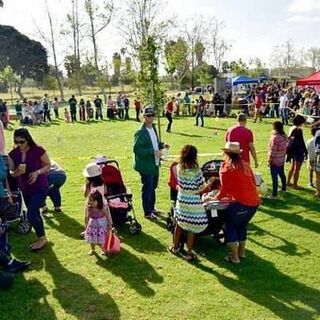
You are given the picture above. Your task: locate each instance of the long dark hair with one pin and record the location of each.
(278, 128)
(233, 159)
(97, 196)
(24, 133)
(188, 157)
(95, 181)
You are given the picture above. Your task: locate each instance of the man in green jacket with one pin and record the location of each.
(147, 153)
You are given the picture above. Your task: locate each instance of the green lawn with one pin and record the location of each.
(278, 280)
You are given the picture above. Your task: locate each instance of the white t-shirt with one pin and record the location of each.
(154, 140)
(311, 149)
(283, 102)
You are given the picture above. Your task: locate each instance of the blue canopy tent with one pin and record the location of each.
(243, 80)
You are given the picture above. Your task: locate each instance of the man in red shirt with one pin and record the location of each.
(239, 133)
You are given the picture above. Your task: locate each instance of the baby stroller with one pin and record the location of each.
(119, 200)
(215, 210)
(17, 210)
(90, 113)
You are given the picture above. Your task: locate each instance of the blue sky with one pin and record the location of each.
(253, 27)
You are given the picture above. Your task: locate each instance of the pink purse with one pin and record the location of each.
(111, 243)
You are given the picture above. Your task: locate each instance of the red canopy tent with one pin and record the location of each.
(312, 80)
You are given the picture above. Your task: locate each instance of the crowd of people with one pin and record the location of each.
(37, 176)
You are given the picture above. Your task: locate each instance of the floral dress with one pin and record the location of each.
(97, 226)
(189, 212)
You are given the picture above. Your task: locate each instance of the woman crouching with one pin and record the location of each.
(237, 184)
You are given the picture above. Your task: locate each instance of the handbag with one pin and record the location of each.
(111, 243)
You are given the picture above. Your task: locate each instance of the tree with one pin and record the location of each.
(73, 20)
(218, 46)
(7, 76)
(176, 59)
(238, 67)
(256, 67)
(206, 74)
(313, 55)
(140, 24)
(1, 3)
(196, 35)
(98, 22)
(27, 58)
(116, 61)
(51, 41)
(284, 58)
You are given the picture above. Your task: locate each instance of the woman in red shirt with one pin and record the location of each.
(237, 184)
(169, 112)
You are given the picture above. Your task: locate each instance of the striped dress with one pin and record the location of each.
(189, 212)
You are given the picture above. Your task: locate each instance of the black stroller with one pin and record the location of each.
(119, 200)
(16, 212)
(215, 210)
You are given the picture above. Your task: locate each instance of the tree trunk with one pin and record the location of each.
(76, 42)
(95, 51)
(18, 88)
(57, 75)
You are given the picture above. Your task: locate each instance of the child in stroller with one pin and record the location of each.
(215, 213)
(119, 200)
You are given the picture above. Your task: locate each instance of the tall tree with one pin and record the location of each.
(140, 24)
(116, 61)
(284, 58)
(176, 58)
(98, 22)
(218, 46)
(195, 35)
(74, 22)
(27, 58)
(51, 41)
(313, 55)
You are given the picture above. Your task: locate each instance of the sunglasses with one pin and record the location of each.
(20, 141)
(149, 115)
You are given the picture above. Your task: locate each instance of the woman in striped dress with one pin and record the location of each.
(189, 212)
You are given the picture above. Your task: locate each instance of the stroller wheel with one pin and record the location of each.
(135, 228)
(24, 227)
(169, 224)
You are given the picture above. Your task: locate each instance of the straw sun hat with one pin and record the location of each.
(91, 170)
(232, 147)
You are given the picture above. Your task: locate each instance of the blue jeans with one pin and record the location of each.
(148, 192)
(55, 182)
(284, 114)
(237, 218)
(275, 172)
(5, 256)
(199, 114)
(34, 202)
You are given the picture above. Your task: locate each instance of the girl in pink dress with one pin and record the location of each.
(99, 220)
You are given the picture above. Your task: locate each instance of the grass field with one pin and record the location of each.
(278, 280)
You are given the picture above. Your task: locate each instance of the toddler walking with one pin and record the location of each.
(67, 117)
(99, 220)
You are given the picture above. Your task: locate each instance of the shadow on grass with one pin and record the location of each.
(64, 224)
(142, 242)
(187, 135)
(292, 216)
(76, 295)
(287, 248)
(136, 272)
(259, 281)
(35, 306)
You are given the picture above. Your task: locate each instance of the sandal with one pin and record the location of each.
(172, 249)
(228, 259)
(190, 257)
